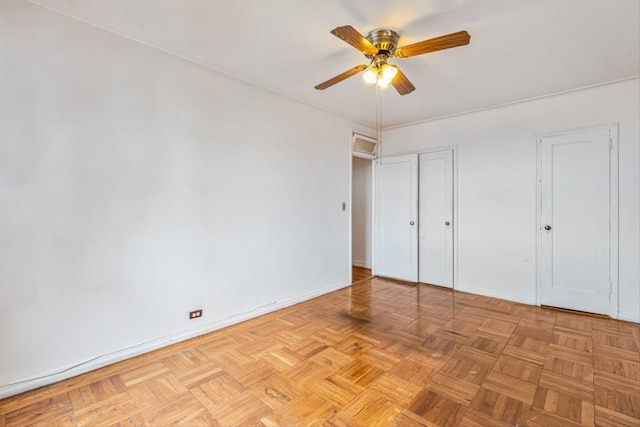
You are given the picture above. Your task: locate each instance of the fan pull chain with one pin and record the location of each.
(379, 122)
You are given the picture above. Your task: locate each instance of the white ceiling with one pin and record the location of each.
(518, 50)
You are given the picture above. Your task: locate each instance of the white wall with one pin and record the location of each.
(361, 211)
(497, 185)
(136, 186)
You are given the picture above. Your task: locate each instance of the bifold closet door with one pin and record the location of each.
(396, 217)
(436, 218)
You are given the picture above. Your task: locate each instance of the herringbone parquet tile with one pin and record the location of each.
(377, 353)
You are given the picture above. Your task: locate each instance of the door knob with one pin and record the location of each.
(411, 223)
(447, 223)
(547, 227)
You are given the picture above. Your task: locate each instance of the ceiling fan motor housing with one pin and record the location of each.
(384, 40)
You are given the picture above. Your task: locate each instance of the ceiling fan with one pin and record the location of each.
(381, 44)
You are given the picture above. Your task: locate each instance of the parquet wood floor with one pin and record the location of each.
(358, 274)
(377, 353)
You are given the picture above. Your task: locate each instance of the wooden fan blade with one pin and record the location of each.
(355, 39)
(460, 38)
(402, 83)
(340, 77)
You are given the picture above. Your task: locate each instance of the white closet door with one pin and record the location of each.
(575, 220)
(396, 216)
(436, 218)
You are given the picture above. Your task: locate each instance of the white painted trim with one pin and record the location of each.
(154, 344)
(372, 207)
(202, 64)
(614, 306)
(507, 104)
(455, 217)
(374, 267)
(580, 129)
(538, 196)
(499, 295)
(613, 206)
(350, 207)
(363, 156)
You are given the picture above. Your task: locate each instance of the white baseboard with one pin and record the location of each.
(361, 264)
(135, 350)
(500, 295)
(629, 317)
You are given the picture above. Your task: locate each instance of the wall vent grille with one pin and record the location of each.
(364, 146)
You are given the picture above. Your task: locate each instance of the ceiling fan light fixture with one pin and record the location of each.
(383, 83)
(371, 75)
(386, 74)
(389, 72)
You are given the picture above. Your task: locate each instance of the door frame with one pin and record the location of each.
(613, 208)
(349, 206)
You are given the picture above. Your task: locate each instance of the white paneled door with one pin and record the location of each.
(396, 218)
(576, 226)
(436, 218)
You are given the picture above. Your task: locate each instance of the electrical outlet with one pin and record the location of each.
(195, 314)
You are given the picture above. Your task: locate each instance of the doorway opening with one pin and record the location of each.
(361, 218)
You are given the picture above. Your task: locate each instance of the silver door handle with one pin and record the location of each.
(447, 223)
(547, 227)
(412, 223)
